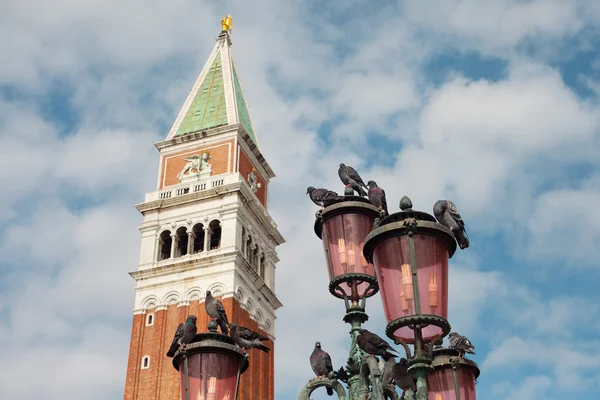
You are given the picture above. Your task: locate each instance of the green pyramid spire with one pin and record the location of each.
(242, 109)
(208, 107)
(216, 99)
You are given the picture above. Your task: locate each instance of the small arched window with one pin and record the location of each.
(150, 319)
(255, 258)
(243, 240)
(198, 238)
(215, 234)
(248, 249)
(165, 241)
(182, 242)
(145, 362)
(261, 271)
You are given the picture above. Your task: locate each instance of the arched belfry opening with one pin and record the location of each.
(182, 242)
(164, 242)
(215, 234)
(198, 230)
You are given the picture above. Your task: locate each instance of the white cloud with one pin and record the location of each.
(565, 225)
(130, 67)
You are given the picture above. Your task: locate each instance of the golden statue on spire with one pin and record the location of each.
(226, 23)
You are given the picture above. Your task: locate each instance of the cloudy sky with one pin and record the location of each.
(494, 105)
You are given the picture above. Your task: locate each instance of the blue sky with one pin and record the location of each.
(491, 104)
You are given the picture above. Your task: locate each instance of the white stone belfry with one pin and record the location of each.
(206, 226)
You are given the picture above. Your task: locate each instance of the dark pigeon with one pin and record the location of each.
(320, 196)
(377, 196)
(185, 333)
(446, 214)
(215, 310)
(320, 362)
(460, 343)
(372, 344)
(247, 339)
(350, 177)
(404, 379)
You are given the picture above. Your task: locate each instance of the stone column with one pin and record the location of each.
(174, 242)
(258, 262)
(206, 239)
(191, 238)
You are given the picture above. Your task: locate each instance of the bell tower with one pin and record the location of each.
(206, 227)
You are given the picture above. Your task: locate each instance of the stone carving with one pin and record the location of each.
(197, 167)
(254, 185)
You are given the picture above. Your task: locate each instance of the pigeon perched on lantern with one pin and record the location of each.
(185, 333)
(372, 344)
(215, 310)
(460, 343)
(320, 362)
(248, 339)
(377, 196)
(446, 214)
(321, 196)
(350, 178)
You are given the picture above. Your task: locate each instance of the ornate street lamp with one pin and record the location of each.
(210, 367)
(406, 259)
(343, 227)
(453, 377)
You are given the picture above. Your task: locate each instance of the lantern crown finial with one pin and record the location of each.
(406, 204)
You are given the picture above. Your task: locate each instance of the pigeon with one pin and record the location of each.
(350, 177)
(377, 196)
(319, 196)
(185, 333)
(215, 310)
(446, 214)
(247, 339)
(404, 379)
(460, 343)
(373, 344)
(320, 362)
(386, 371)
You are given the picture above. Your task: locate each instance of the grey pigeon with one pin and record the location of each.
(350, 177)
(377, 196)
(320, 362)
(404, 379)
(320, 196)
(215, 310)
(247, 339)
(185, 333)
(460, 343)
(373, 344)
(446, 214)
(386, 371)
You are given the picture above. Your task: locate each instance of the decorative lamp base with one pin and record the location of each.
(420, 321)
(335, 286)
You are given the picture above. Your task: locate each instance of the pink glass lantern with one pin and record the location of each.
(453, 378)
(210, 369)
(410, 252)
(343, 228)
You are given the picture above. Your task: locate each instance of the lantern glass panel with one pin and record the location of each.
(440, 384)
(396, 281)
(346, 235)
(211, 376)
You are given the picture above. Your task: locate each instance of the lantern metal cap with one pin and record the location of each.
(349, 205)
(448, 358)
(403, 222)
(212, 342)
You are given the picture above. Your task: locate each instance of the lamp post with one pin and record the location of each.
(210, 367)
(404, 256)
